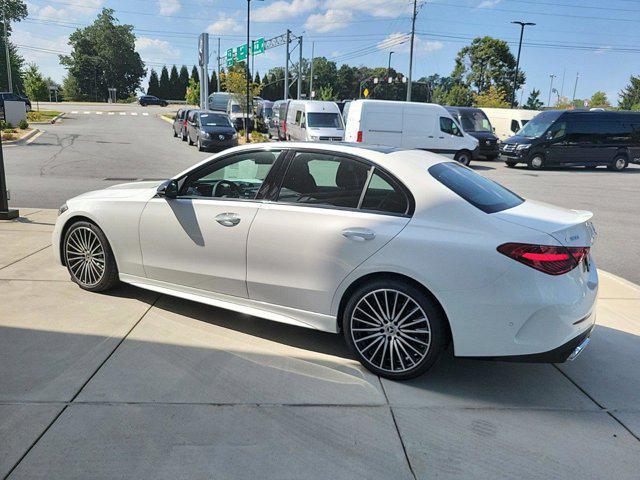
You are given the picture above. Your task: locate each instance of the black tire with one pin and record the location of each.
(175, 134)
(435, 322)
(492, 158)
(108, 277)
(183, 136)
(189, 141)
(510, 163)
(536, 162)
(464, 157)
(619, 163)
(200, 147)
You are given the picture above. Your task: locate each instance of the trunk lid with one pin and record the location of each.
(572, 228)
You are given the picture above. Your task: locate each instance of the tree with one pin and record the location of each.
(154, 84)
(213, 82)
(456, 94)
(194, 74)
(174, 84)
(164, 90)
(492, 98)
(15, 11)
(630, 95)
(599, 100)
(325, 92)
(70, 89)
(183, 81)
(487, 62)
(346, 82)
(192, 96)
(257, 78)
(103, 56)
(533, 101)
(34, 84)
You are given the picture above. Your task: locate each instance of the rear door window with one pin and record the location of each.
(384, 195)
(485, 194)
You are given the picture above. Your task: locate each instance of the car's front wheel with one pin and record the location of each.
(464, 157)
(619, 163)
(394, 329)
(88, 257)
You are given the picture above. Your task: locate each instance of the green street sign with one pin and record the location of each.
(258, 46)
(230, 57)
(241, 52)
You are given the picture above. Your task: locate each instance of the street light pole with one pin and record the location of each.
(6, 51)
(552, 76)
(386, 87)
(413, 34)
(575, 86)
(246, 123)
(515, 76)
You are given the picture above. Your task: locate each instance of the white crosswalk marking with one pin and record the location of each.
(98, 113)
(133, 113)
(87, 112)
(123, 113)
(110, 113)
(145, 114)
(75, 111)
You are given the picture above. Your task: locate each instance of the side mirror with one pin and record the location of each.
(303, 125)
(168, 189)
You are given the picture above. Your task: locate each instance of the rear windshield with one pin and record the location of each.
(485, 194)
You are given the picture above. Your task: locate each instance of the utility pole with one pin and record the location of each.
(515, 76)
(286, 67)
(386, 86)
(246, 123)
(564, 72)
(299, 67)
(313, 46)
(575, 87)
(218, 67)
(6, 51)
(552, 76)
(413, 34)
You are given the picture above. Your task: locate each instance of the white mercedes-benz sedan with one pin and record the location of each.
(403, 252)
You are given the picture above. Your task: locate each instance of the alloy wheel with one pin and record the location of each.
(390, 330)
(620, 163)
(85, 257)
(536, 162)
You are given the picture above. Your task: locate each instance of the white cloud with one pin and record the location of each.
(328, 21)
(224, 24)
(489, 3)
(375, 8)
(603, 49)
(153, 49)
(283, 10)
(169, 7)
(400, 42)
(87, 9)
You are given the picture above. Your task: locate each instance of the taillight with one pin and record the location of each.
(545, 258)
(359, 137)
(284, 126)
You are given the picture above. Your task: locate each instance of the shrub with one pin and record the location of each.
(8, 135)
(23, 125)
(257, 137)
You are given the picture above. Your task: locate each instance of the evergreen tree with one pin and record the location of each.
(194, 74)
(257, 79)
(630, 96)
(14, 11)
(164, 89)
(213, 82)
(154, 84)
(174, 84)
(533, 101)
(183, 82)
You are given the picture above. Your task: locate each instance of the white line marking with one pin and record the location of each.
(75, 111)
(98, 113)
(122, 113)
(133, 113)
(86, 112)
(145, 114)
(34, 137)
(110, 113)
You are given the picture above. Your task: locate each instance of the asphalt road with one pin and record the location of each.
(88, 151)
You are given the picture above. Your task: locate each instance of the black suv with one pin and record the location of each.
(152, 100)
(557, 138)
(475, 123)
(13, 97)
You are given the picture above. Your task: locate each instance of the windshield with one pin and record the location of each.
(235, 108)
(475, 122)
(536, 127)
(324, 120)
(268, 112)
(214, 120)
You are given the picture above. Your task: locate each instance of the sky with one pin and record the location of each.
(594, 39)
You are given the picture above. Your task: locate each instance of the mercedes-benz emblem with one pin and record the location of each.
(221, 137)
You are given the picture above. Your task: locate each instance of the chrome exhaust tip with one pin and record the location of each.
(578, 350)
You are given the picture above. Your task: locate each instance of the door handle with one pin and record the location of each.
(359, 234)
(228, 219)
(440, 137)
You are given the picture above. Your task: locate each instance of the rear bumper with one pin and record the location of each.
(567, 351)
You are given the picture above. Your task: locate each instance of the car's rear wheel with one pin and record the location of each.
(189, 141)
(619, 163)
(510, 163)
(491, 158)
(200, 147)
(88, 257)
(464, 157)
(394, 329)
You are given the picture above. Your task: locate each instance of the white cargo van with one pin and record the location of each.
(425, 126)
(311, 120)
(507, 122)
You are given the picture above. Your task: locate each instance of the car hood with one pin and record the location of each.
(221, 129)
(520, 140)
(123, 190)
(483, 135)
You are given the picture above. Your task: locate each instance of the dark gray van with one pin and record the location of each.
(557, 138)
(476, 123)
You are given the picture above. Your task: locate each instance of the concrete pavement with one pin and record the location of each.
(137, 385)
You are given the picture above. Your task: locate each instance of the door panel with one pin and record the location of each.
(184, 243)
(298, 255)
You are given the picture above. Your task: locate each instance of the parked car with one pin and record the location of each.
(274, 123)
(474, 122)
(425, 126)
(179, 122)
(402, 252)
(557, 138)
(264, 115)
(12, 97)
(182, 129)
(282, 116)
(210, 130)
(314, 120)
(152, 100)
(238, 117)
(219, 101)
(508, 121)
(26, 101)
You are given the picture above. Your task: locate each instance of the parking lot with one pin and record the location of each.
(133, 383)
(108, 386)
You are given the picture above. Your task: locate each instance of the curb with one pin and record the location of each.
(168, 120)
(32, 133)
(53, 120)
